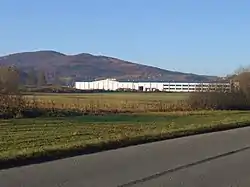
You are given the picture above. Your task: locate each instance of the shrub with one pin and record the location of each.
(11, 105)
(219, 101)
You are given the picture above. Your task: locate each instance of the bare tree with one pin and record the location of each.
(242, 69)
(11, 100)
(9, 80)
(41, 79)
(31, 78)
(242, 82)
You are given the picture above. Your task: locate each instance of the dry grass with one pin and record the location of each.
(113, 102)
(86, 104)
(117, 103)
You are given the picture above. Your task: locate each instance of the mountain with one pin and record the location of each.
(83, 67)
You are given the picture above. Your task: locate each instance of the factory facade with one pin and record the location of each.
(113, 85)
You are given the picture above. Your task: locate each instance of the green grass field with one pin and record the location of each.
(30, 138)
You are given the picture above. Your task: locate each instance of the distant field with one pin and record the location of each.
(26, 138)
(133, 102)
(114, 97)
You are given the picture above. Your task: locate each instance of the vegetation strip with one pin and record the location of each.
(54, 154)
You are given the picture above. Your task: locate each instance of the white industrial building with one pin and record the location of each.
(113, 84)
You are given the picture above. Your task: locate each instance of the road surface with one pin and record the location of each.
(217, 159)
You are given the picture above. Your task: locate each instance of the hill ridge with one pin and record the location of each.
(86, 66)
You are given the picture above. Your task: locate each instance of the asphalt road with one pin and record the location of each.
(218, 159)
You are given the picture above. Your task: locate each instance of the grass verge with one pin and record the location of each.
(28, 141)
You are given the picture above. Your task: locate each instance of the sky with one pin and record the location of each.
(198, 36)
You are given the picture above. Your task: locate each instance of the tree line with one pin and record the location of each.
(11, 77)
(36, 78)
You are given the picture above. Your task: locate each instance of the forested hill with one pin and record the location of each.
(65, 69)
